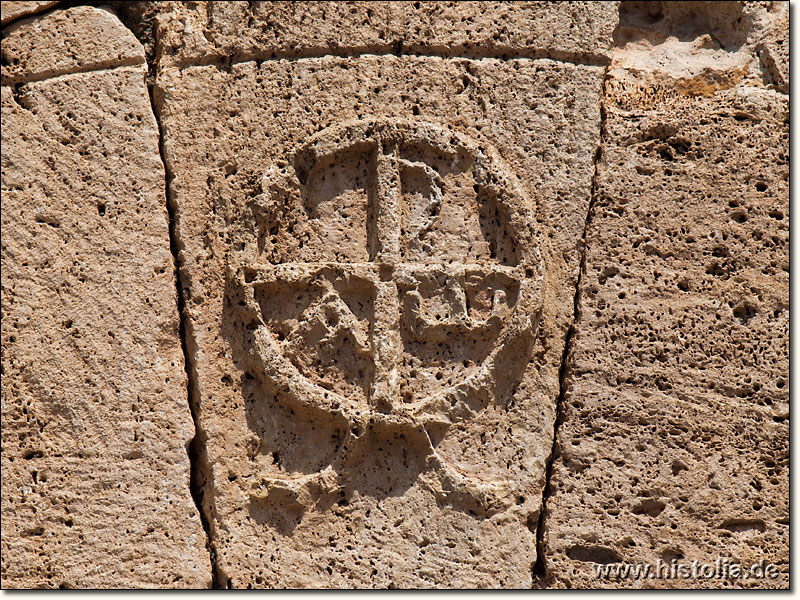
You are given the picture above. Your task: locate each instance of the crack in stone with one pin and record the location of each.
(199, 468)
(539, 569)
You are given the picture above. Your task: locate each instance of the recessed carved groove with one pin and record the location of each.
(92, 68)
(225, 62)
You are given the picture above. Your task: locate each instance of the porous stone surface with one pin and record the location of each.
(773, 48)
(202, 31)
(95, 418)
(474, 294)
(378, 257)
(80, 38)
(11, 11)
(674, 441)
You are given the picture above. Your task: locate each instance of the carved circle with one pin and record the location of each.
(514, 329)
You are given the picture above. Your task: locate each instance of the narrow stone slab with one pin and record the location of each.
(12, 10)
(202, 31)
(80, 38)
(378, 257)
(675, 441)
(95, 419)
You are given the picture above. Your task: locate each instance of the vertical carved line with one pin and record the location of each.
(387, 203)
(386, 340)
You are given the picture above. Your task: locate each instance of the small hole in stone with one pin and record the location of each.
(739, 216)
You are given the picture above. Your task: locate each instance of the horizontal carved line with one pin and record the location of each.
(224, 61)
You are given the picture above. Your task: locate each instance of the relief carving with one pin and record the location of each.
(393, 292)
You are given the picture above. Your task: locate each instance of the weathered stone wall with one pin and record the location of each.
(468, 294)
(95, 417)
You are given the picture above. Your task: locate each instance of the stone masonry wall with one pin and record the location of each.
(395, 294)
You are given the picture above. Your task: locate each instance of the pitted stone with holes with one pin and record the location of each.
(409, 255)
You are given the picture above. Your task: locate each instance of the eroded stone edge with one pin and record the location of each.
(22, 13)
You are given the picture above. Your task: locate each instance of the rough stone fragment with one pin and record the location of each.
(674, 443)
(356, 234)
(206, 30)
(689, 49)
(95, 418)
(11, 10)
(773, 50)
(80, 38)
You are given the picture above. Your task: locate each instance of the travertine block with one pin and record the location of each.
(80, 38)
(675, 435)
(200, 31)
(95, 418)
(379, 258)
(674, 443)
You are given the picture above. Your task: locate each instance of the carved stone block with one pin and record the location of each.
(370, 271)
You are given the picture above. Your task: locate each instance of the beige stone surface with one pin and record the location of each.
(352, 441)
(473, 294)
(80, 38)
(95, 418)
(11, 10)
(674, 442)
(668, 49)
(203, 31)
